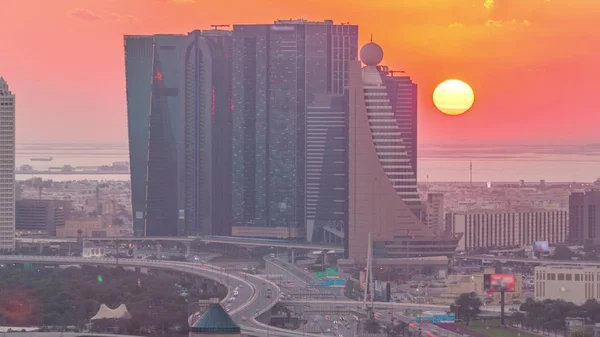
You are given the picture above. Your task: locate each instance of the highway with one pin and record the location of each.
(60, 334)
(527, 261)
(222, 240)
(250, 302)
(293, 273)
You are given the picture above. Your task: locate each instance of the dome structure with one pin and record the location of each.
(215, 321)
(371, 54)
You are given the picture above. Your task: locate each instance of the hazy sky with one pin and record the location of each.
(534, 64)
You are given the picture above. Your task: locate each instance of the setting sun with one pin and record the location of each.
(453, 97)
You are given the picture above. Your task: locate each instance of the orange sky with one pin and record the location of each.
(534, 64)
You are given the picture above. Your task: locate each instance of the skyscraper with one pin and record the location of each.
(381, 184)
(402, 93)
(402, 97)
(139, 52)
(7, 168)
(584, 217)
(179, 114)
(280, 70)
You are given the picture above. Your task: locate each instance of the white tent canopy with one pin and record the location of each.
(107, 313)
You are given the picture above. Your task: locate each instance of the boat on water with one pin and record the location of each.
(41, 159)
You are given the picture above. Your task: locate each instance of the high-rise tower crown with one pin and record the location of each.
(371, 54)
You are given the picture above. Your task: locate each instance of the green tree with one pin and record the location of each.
(563, 253)
(349, 288)
(397, 330)
(372, 326)
(582, 333)
(467, 306)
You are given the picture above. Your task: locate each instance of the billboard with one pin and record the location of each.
(499, 283)
(328, 283)
(541, 247)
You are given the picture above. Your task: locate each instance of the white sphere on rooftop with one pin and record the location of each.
(371, 54)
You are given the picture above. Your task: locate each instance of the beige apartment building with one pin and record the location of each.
(493, 230)
(568, 283)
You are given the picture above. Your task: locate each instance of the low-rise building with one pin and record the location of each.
(434, 212)
(94, 228)
(568, 283)
(39, 216)
(494, 230)
(460, 284)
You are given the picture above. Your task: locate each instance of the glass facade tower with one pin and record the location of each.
(179, 114)
(279, 70)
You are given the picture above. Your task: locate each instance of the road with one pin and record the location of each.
(296, 275)
(223, 240)
(251, 300)
(527, 261)
(59, 334)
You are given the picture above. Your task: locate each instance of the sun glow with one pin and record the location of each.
(453, 97)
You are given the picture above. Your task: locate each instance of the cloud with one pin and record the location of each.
(177, 1)
(456, 25)
(122, 18)
(83, 14)
(493, 23)
(488, 4)
(513, 22)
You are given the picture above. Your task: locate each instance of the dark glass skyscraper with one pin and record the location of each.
(279, 70)
(139, 51)
(179, 114)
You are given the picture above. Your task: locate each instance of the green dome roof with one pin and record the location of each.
(215, 321)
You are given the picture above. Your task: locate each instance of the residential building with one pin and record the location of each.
(7, 168)
(584, 217)
(382, 183)
(495, 230)
(40, 217)
(568, 283)
(434, 213)
(92, 228)
(280, 71)
(179, 114)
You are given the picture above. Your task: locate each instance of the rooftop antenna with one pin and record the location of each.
(471, 174)
(371, 37)
(396, 71)
(216, 27)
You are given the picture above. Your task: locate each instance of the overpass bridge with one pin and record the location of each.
(527, 261)
(188, 239)
(253, 294)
